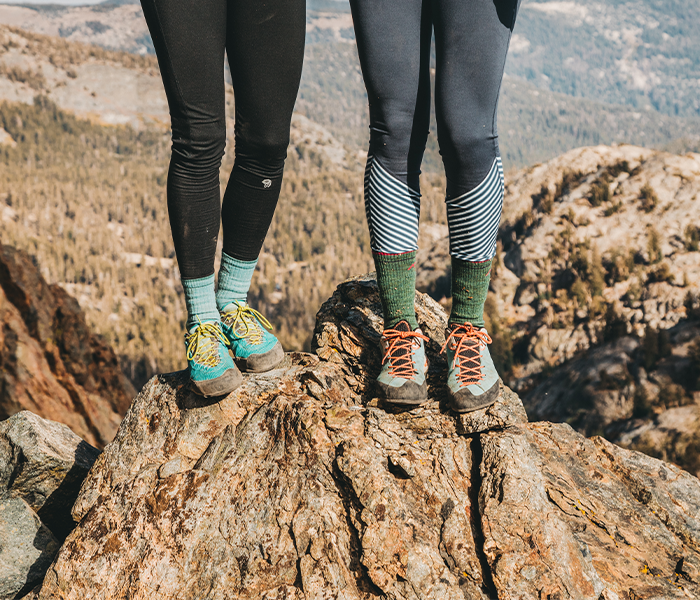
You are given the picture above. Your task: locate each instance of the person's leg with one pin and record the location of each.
(472, 39)
(393, 41)
(265, 47)
(189, 37)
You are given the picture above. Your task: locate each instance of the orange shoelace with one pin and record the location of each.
(469, 342)
(399, 351)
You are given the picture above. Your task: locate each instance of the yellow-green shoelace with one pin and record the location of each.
(202, 344)
(247, 320)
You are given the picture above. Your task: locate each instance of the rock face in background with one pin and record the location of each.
(634, 391)
(50, 362)
(300, 486)
(596, 295)
(42, 465)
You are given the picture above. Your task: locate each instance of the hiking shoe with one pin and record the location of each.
(255, 349)
(404, 366)
(472, 380)
(212, 370)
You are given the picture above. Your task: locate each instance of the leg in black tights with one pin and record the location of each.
(471, 42)
(393, 40)
(265, 52)
(471, 39)
(264, 40)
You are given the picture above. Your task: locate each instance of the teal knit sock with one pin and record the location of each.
(396, 278)
(234, 280)
(200, 301)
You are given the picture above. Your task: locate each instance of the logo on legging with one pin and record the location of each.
(266, 183)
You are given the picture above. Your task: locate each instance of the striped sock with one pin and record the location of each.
(473, 218)
(396, 278)
(200, 301)
(470, 284)
(392, 210)
(234, 280)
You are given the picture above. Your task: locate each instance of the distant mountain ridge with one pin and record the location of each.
(548, 107)
(643, 54)
(113, 25)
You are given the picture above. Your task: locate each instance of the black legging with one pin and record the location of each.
(471, 39)
(264, 41)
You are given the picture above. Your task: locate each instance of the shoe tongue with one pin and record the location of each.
(402, 326)
(232, 306)
(401, 349)
(194, 327)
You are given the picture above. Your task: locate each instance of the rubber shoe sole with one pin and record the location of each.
(464, 401)
(219, 386)
(260, 363)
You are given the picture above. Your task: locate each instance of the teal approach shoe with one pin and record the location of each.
(404, 366)
(472, 380)
(255, 349)
(212, 371)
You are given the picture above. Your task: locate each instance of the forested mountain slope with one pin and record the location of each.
(644, 53)
(621, 72)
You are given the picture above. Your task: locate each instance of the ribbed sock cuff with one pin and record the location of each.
(396, 278)
(234, 280)
(470, 284)
(200, 301)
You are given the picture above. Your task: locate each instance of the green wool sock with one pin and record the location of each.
(200, 301)
(470, 284)
(396, 277)
(234, 280)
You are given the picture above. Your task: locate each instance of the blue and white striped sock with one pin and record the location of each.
(473, 218)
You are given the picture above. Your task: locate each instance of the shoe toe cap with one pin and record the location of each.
(218, 386)
(258, 363)
(463, 400)
(409, 392)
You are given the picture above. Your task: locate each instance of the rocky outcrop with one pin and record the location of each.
(50, 362)
(596, 295)
(42, 465)
(300, 485)
(27, 548)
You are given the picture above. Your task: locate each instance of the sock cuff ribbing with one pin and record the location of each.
(200, 301)
(396, 278)
(234, 280)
